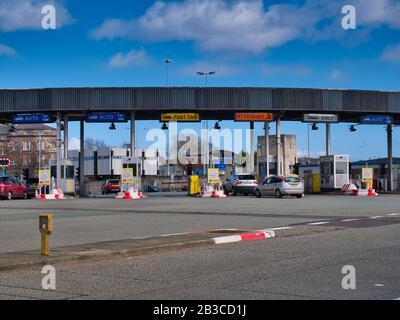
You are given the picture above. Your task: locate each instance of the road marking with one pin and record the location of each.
(317, 223)
(397, 299)
(376, 217)
(394, 214)
(350, 220)
(379, 285)
(227, 239)
(277, 229)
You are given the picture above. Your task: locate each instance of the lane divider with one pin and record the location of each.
(245, 237)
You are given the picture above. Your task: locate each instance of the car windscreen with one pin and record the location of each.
(4, 180)
(292, 180)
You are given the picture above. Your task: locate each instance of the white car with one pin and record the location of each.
(280, 186)
(240, 184)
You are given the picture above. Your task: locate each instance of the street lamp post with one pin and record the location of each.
(206, 75)
(167, 62)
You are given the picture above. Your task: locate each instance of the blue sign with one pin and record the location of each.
(32, 118)
(106, 117)
(377, 119)
(199, 172)
(221, 166)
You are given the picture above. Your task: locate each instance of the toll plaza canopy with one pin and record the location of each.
(211, 103)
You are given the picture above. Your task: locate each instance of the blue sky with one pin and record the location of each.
(248, 43)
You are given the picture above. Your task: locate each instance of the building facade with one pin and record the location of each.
(28, 147)
(288, 149)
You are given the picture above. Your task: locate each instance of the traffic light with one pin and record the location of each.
(78, 173)
(25, 174)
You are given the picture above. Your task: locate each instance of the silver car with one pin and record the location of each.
(240, 184)
(280, 186)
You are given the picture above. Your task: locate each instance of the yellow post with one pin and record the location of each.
(45, 228)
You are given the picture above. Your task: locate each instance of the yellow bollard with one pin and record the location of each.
(45, 228)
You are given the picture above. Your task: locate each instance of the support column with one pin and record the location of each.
(266, 135)
(66, 136)
(58, 151)
(328, 139)
(133, 148)
(82, 187)
(278, 147)
(252, 147)
(390, 157)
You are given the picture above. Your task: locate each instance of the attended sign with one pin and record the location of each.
(213, 176)
(254, 117)
(180, 117)
(127, 176)
(44, 177)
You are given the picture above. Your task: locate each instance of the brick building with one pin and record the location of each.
(23, 144)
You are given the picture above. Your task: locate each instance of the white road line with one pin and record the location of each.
(277, 229)
(394, 214)
(376, 217)
(350, 220)
(379, 285)
(317, 223)
(397, 299)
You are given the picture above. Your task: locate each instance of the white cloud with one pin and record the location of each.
(391, 54)
(7, 51)
(247, 26)
(74, 144)
(132, 58)
(27, 14)
(338, 76)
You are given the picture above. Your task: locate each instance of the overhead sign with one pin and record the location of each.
(106, 117)
(32, 118)
(127, 176)
(5, 162)
(377, 119)
(221, 166)
(180, 117)
(254, 117)
(44, 177)
(321, 118)
(213, 176)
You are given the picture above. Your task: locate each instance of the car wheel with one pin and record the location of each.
(9, 195)
(278, 194)
(299, 196)
(26, 196)
(234, 192)
(258, 194)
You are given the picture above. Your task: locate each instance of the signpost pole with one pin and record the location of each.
(58, 152)
(82, 192)
(278, 146)
(328, 139)
(266, 134)
(390, 157)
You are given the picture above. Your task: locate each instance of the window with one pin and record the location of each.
(15, 146)
(3, 151)
(3, 138)
(41, 145)
(27, 146)
(341, 168)
(27, 159)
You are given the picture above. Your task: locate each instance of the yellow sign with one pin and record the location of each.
(44, 177)
(180, 117)
(127, 176)
(254, 117)
(213, 176)
(367, 174)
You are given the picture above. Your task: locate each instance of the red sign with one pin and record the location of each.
(254, 117)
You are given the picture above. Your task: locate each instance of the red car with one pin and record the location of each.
(11, 188)
(111, 186)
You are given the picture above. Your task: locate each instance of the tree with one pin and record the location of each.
(93, 144)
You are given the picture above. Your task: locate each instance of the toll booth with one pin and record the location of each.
(67, 175)
(334, 172)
